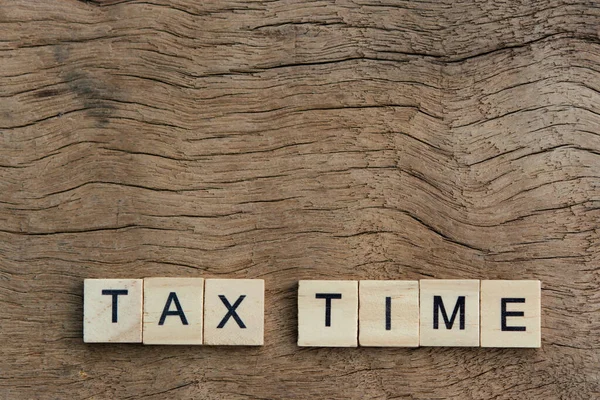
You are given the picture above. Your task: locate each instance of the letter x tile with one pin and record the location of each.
(234, 312)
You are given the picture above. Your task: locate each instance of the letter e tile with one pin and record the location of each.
(510, 314)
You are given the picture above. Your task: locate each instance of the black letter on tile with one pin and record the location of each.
(231, 311)
(505, 314)
(438, 305)
(328, 297)
(388, 313)
(172, 298)
(115, 300)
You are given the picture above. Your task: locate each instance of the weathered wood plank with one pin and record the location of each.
(297, 140)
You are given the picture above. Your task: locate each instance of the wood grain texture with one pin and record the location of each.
(288, 140)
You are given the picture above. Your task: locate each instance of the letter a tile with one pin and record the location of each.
(389, 313)
(234, 312)
(327, 313)
(449, 313)
(173, 310)
(510, 314)
(112, 311)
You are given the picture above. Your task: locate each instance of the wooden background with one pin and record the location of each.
(290, 140)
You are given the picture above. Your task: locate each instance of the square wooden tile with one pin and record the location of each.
(449, 313)
(234, 312)
(112, 311)
(173, 310)
(510, 313)
(327, 313)
(388, 313)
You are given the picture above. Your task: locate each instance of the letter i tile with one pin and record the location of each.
(328, 313)
(389, 313)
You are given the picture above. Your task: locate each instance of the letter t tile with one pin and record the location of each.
(112, 311)
(328, 313)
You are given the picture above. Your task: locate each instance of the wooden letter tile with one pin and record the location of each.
(510, 314)
(389, 313)
(112, 311)
(173, 310)
(234, 312)
(449, 313)
(328, 313)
